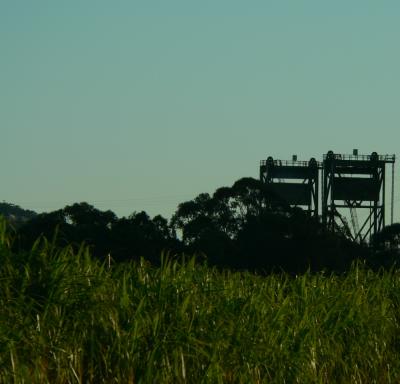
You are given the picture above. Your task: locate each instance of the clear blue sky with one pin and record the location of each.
(133, 105)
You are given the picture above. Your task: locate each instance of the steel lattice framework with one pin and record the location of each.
(349, 183)
(355, 182)
(296, 182)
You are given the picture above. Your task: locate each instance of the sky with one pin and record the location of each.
(143, 104)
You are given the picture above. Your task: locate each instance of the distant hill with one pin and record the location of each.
(15, 214)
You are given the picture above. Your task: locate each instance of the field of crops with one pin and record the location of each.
(66, 318)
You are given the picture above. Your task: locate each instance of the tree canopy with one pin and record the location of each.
(241, 226)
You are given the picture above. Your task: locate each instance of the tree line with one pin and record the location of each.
(244, 226)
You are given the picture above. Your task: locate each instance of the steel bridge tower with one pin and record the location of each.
(357, 183)
(295, 182)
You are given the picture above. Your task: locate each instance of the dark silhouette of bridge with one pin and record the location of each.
(336, 189)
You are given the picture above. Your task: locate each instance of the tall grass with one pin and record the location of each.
(67, 318)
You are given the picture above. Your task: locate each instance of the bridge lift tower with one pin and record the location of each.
(295, 182)
(356, 182)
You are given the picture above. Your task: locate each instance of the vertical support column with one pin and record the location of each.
(392, 196)
(313, 181)
(316, 196)
(376, 176)
(383, 186)
(325, 192)
(328, 203)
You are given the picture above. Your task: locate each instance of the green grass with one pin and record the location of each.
(66, 318)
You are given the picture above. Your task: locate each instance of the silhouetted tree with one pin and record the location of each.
(212, 224)
(138, 235)
(386, 245)
(388, 238)
(248, 226)
(16, 215)
(48, 225)
(242, 226)
(91, 226)
(189, 214)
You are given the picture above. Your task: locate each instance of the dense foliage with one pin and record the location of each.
(15, 214)
(244, 226)
(66, 317)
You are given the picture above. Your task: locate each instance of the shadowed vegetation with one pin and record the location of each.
(242, 227)
(67, 317)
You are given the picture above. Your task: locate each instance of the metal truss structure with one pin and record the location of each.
(355, 184)
(295, 182)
